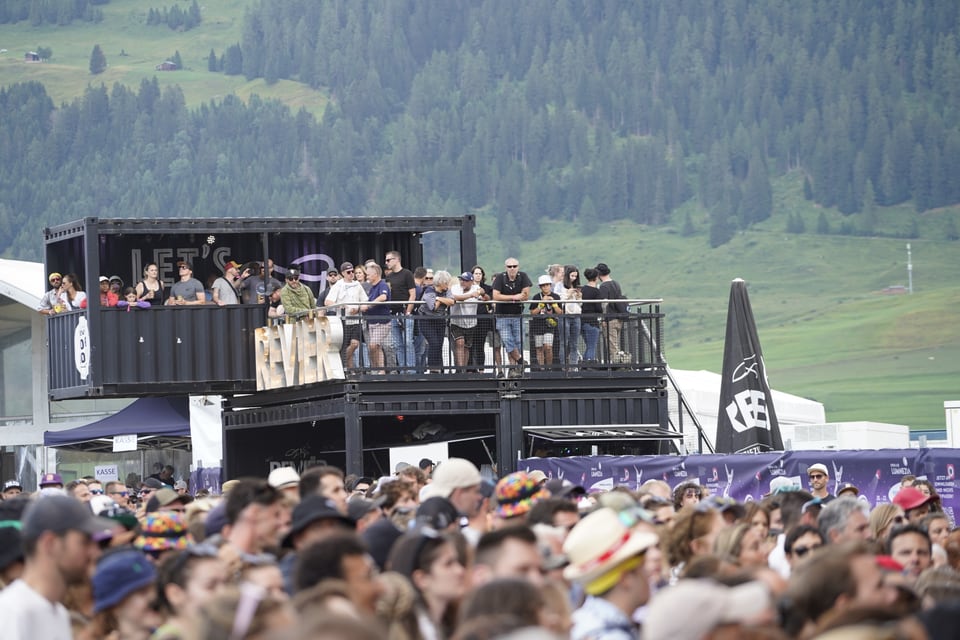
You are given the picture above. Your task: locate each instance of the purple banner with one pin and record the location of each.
(876, 473)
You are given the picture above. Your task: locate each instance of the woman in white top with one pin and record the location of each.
(72, 297)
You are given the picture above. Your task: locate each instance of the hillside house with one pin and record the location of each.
(31, 56)
(167, 65)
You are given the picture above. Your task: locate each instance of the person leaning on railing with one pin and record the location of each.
(295, 296)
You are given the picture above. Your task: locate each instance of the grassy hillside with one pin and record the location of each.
(827, 331)
(124, 29)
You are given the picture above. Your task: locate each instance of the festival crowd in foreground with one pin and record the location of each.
(434, 553)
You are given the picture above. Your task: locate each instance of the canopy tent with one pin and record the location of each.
(157, 422)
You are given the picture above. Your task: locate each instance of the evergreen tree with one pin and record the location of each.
(98, 61)
(212, 63)
(177, 60)
(823, 225)
(233, 60)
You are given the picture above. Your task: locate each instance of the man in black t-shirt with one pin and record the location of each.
(615, 314)
(510, 290)
(402, 287)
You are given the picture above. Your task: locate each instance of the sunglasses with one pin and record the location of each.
(96, 492)
(184, 268)
(122, 494)
(513, 266)
(817, 476)
(348, 271)
(802, 551)
(293, 277)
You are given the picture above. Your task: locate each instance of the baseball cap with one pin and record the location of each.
(54, 275)
(117, 279)
(283, 477)
(425, 463)
(848, 487)
(311, 509)
(50, 479)
(911, 498)
(233, 264)
(822, 468)
(152, 483)
(59, 514)
(668, 615)
(346, 266)
(544, 279)
(293, 273)
(10, 484)
(104, 279)
(453, 473)
(437, 513)
(118, 575)
(466, 276)
(560, 488)
(357, 507)
(165, 497)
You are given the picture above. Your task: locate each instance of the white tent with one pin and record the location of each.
(701, 389)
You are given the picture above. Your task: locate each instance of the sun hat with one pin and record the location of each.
(516, 494)
(118, 575)
(692, 608)
(544, 279)
(598, 545)
(163, 530)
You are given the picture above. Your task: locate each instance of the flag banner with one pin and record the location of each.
(745, 477)
(746, 420)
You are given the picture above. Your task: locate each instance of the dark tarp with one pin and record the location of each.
(148, 418)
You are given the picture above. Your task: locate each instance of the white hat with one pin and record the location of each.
(692, 608)
(783, 483)
(452, 473)
(822, 468)
(283, 477)
(544, 279)
(600, 542)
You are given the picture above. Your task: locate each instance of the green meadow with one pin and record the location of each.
(133, 50)
(828, 331)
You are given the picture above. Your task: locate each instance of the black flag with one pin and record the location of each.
(746, 421)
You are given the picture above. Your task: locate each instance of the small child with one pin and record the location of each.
(130, 301)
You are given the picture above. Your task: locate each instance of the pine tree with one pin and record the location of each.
(98, 61)
(823, 225)
(212, 63)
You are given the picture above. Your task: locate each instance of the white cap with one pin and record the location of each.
(544, 279)
(283, 477)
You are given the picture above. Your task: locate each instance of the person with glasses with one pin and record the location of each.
(349, 295)
(187, 290)
(819, 478)
(51, 299)
(119, 493)
(883, 518)
(800, 541)
(403, 287)
(510, 289)
(915, 503)
(295, 296)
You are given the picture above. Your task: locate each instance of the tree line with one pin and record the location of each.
(576, 110)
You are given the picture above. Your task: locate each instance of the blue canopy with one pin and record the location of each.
(146, 417)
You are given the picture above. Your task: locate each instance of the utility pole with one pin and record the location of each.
(909, 271)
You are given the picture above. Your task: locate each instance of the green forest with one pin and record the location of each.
(580, 111)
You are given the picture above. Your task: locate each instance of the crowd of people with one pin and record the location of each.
(397, 319)
(443, 552)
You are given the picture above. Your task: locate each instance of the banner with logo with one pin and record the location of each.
(746, 420)
(876, 473)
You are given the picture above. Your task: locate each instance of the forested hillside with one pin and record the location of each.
(583, 111)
